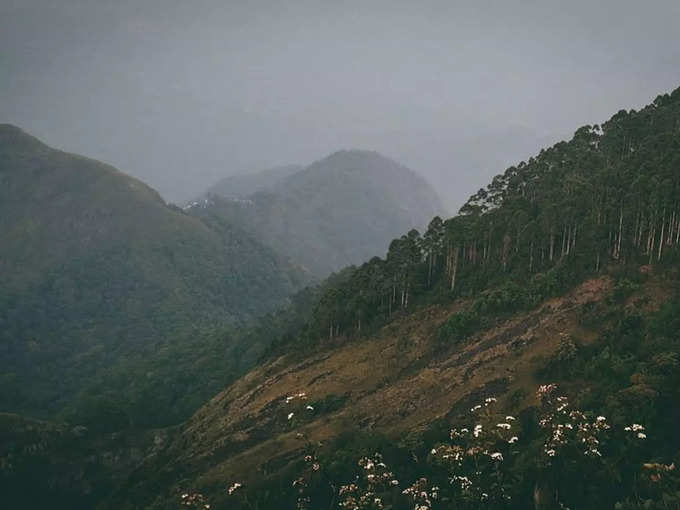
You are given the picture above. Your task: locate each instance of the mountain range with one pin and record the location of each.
(98, 273)
(114, 303)
(521, 354)
(338, 211)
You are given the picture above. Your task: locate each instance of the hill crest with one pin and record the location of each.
(340, 210)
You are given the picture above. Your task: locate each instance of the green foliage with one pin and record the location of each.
(507, 298)
(604, 201)
(623, 288)
(108, 294)
(666, 324)
(630, 375)
(459, 326)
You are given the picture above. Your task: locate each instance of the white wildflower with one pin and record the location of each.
(235, 486)
(477, 431)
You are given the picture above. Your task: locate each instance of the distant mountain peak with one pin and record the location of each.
(357, 155)
(15, 139)
(11, 128)
(340, 210)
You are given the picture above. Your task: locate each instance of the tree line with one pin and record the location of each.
(607, 196)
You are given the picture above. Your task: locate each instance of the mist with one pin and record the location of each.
(180, 94)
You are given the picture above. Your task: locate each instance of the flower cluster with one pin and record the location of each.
(568, 429)
(656, 471)
(233, 488)
(302, 500)
(487, 402)
(302, 396)
(478, 460)
(367, 492)
(421, 494)
(301, 399)
(302, 484)
(475, 458)
(194, 500)
(637, 430)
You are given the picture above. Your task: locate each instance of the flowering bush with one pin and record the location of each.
(476, 457)
(491, 463)
(422, 494)
(194, 500)
(369, 489)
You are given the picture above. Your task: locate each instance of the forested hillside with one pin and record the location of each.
(102, 285)
(522, 354)
(524, 348)
(341, 210)
(610, 195)
(474, 416)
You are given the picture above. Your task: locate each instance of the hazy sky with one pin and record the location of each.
(181, 93)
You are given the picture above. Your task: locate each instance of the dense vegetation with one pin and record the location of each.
(604, 437)
(603, 203)
(629, 375)
(341, 210)
(109, 298)
(607, 196)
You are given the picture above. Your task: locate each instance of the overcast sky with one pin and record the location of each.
(182, 92)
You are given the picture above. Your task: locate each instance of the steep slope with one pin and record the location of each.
(338, 211)
(401, 387)
(98, 274)
(563, 270)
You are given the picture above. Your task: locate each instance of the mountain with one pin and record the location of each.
(99, 278)
(244, 185)
(341, 210)
(548, 308)
(522, 354)
(399, 392)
